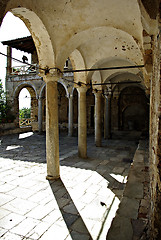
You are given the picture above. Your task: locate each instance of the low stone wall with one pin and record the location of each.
(15, 130)
(6, 126)
(35, 126)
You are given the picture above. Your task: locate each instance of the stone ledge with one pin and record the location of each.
(131, 217)
(15, 130)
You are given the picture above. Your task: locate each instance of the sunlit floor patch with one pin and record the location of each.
(25, 135)
(13, 147)
(95, 202)
(119, 178)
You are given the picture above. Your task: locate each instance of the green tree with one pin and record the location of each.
(5, 114)
(25, 113)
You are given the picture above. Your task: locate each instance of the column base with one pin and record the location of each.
(49, 177)
(82, 156)
(98, 145)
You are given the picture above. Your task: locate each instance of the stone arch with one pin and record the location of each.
(64, 85)
(41, 90)
(62, 107)
(42, 97)
(97, 79)
(73, 89)
(39, 34)
(23, 85)
(125, 76)
(75, 108)
(78, 63)
(90, 99)
(114, 62)
(34, 100)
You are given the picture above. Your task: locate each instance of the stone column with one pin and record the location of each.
(9, 60)
(98, 122)
(70, 116)
(52, 129)
(107, 117)
(82, 123)
(40, 114)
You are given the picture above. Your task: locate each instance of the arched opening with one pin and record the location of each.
(133, 117)
(75, 111)
(90, 111)
(25, 98)
(24, 108)
(43, 98)
(62, 108)
(133, 109)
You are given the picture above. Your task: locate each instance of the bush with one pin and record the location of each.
(25, 113)
(5, 114)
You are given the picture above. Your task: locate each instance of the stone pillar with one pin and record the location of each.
(52, 129)
(9, 60)
(70, 116)
(40, 114)
(98, 122)
(16, 111)
(82, 123)
(107, 117)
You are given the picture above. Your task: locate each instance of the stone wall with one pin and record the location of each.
(154, 148)
(129, 109)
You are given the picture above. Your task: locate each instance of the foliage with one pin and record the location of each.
(25, 113)
(5, 114)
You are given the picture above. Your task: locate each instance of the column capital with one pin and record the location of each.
(40, 97)
(82, 89)
(52, 76)
(107, 96)
(97, 93)
(69, 95)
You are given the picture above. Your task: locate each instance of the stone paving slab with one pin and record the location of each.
(80, 205)
(131, 217)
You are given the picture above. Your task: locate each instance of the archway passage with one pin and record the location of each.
(27, 121)
(75, 112)
(62, 108)
(90, 111)
(24, 108)
(133, 109)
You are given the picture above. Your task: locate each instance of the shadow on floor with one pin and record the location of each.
(72, 218)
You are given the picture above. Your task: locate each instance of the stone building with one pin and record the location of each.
(114, 50)
(27, 76)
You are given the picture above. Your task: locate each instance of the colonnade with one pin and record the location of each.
(52, 129)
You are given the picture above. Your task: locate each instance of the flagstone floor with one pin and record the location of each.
(79, 206)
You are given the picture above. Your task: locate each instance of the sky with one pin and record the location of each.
(12, 27)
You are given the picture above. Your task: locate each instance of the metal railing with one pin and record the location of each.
(25, 69)
(25, 121)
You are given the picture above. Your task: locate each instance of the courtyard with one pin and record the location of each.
(82, 203)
